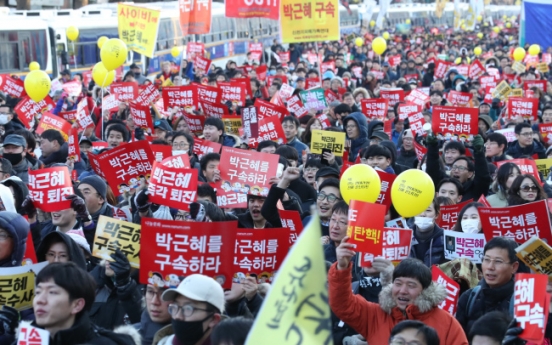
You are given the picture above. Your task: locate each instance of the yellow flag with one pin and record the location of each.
(138, 28)
(309, 21)
(296, 310)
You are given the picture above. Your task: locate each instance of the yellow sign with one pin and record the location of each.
(544, 166)
(309, 20)
(17, 285)
(537, 255)
(543, 67)
(502, 90)
(334, 141)
(516, 93)
(232, 124)
(519, 67)
(138, 28)
(440, 7)
(296, 310)
(113, 234)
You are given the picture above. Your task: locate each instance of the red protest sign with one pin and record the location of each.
(180, 96)
(217, 110)
(292, 220)
(441, 68)
(546, 130)
(195, 122)
(270, 79)
(462, 69)
(525, 165)
(296, 106)
(267, 109)
(179, 248)
(396, 247)
(487, 81)
(417, 97)
(249, 171)
(286, 91)
(459, 99)
(329, 65)
(110, 103)
(417, 123)
(172, 187)
(202, 64)
(284, 57)
(384, 197)
(206, 93)
(526, 108)
(455, 121)
(193, 49)
(27, 109)
(233, 92)
(72, 88)
(69, 116)
(404, 110)
(202, 147)
(161, 152)
(195, 17)
(365, 226)
(83, 116)
(420, 151)
(476, 70)
(409, 77)
(255, 48)
(453, 289)
(260, 252)
(48, 188)
(12, 87)
(531, 304)
(30, 335)
(51, 121)
(375, 108)
(312, 83)
(148, 95)
(270, 128)
(394, 60)
(331, 96)
(392, 95)
(179, 161)
(250, 122)
(449, 215)
(518, 223)
(540, 84)
(73, 148)
(124, 91)
(141, 116)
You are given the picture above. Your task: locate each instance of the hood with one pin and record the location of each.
(56, 157)
(75, 253)
(429, 298)
(452, 70)
(7, 203)
(18, 228)
(372, 125)
(230, 140)
(361, 122)
(487, 119)
(20, 190)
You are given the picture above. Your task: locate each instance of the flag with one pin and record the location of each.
(296, 310)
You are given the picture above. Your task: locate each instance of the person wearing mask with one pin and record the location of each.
(135, 69)
(505, 176)
(14, 151)
(469, 223)
(53, 147)
(407, 154)
(525, 145)
(196, 307)
(494, 293)
(213, 130)
(495, 147)
(356, 128)
(290, 125)
(430, 247)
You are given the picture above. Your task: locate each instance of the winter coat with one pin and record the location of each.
(362, 141)
(147, 328)
(22, 169)
(517, 151)
(246, 221)
(59, 156)
(229, 140)
(244, 307)
(500, 199)
(299, 146)
(408, 158)
(274, 194)
(435, 254)
(18, 229)
(375, 321)
(20, 191)
(75, 252)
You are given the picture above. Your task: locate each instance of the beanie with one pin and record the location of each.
(97, 183)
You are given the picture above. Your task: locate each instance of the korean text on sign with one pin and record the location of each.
(138, 28)
(48, 188)
(396, 247)
(531, 304)
(334, 141)
(17, 285)
(113, 234)
(309, 20)
(365, 226)
(453, 290)
(463, 245)
(291, 220)
(455, 121)
(173, 187)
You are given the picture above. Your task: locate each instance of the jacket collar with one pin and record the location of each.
(78, 333)
(430, 298)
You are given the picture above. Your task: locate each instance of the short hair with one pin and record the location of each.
(498, 138)
(469, 162)
(53, 135)
(377, 150)
(436, 92)
(208, 158)
(413, 268)
(266, 143)
(455, 145)
(117, 127)
(292, 119)
(232, 331)
(288, 152)
(329, 182)
(454, 181)
(7, 167)
(188, 137)
(205, 190)
(313, 162)
(29, 138)
(520, 126)
(340, 207)
(216, 122)
(343, 108)
(430, 335)
(76, 281)
(347, 94)
(502, 243)
(493, 325)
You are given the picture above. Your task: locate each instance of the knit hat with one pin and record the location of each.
(97, 183)
(487, 119)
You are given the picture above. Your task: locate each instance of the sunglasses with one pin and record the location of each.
(529, 188)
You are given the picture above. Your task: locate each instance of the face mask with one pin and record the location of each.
(470, 226)
(14, 158)
(4, 119)
(137, 74)
(189, 332)
(423, 223)
(178, 152)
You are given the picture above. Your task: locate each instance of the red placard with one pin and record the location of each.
(126, 164)
(459, 99)
(193, 49)
(84, 119)
(526, 166)
(417, 97)
(73, 148)
(284, 57)
(462, 69)
(110, 103)
(453, 289)
(409, 77)
(181, 97)
(259, 252)
(357, 72)
(148, 95)
(331, 96)
(233, 92)
(255, 48)
(69, 116)
(392, 95)
(296, 106)
(292, 220)
(546, 130)
(270, 79)
(420, 151)
(405, 110)
(541, 84)
(417, 123)
(48, 188)
(312, 58)
(441, 68)
(396, 247)
(172, 187)
(250, 122)
(449, 215)
(195, 18)
(124, 91)
(526, 108)
(261, 72)
(161, 152)
(286, 91)
(531, 305)
(202, 147)
(394, 60)
(267, 109)
(270, 128)
(312, 83)
(27, 109)
(476, 70)
(141, 116)
(179, 248)
(325, 66)
(202, 64)
(384, 197)
(72, 88)
(195, 122)
(206, 93)
(51, 121)
(178, 161)
(518, 223)
(217, 110)
(365, 226)
(455, 121)
(375, 108)
(487, 81)
(12, 87)
(246, 9)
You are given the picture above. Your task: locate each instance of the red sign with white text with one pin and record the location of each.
(476, 70)
(202, 64)
(526, 108)
(27, 109)
(202, 147)
(531, 304)
(375, 108)
(195, 17)
(124, 91)
(365, 226)
(292, 220)
(386, 179)
(448, 216)
(180, 96)
(540, 84)
(296, 106)
(525, 165)
(392, 95)
(270, 128)
(441, 68)
(396, 247)
(455, 121)
(51, 121)
(48, 188)
(405, 110)
(453, 290)
(459, 99)
(267, 109)
(417, 97)
(148, 95)
(206, 93)
(247, 9)
(73, 148)
(172, 187)
(12, 87)
(233, 92)
(141, 116)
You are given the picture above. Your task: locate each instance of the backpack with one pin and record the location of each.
(473, 297)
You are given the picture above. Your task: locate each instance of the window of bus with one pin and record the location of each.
(179, 39)
(166, 34)
(242, 28)
(19, 48)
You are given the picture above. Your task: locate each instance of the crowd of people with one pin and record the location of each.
(81, 299)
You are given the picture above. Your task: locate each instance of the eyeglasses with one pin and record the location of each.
(526, 134)
(187, 310)
(497, 262)
(150, 293)
(54, 256)
(459, 168)
(351, 127)
(4, 236)
(330, 197)
(529, 188)
(311, 169)
(182, 145)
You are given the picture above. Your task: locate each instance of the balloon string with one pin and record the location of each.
(74, 53)
(101, 115)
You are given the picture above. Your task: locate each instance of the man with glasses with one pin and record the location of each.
(196, 307)
(328, 196)
(412, 332)
(494, 292)
(525, 145)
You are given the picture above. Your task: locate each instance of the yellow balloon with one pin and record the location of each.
(519, 54)
(504, 16)
(496, 29)
(408, 21)
(485, 24)
(175, 52)
(463, 27)
(385, 35)
(37, 85)
(508, 25)
(513, 18)
(534, 49)
(479, 18)
(458, 61)
(102, 77)
(412, 192)
(477, 51)
(101, 41)
(72, 33)
(379, 45)
(360, 182)
(34, 66)
(372, 23)
(113, 53)
(480, 35)
(359, 42)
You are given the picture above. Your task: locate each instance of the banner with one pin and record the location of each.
(195, 17)
(291, 220)
(267, 109)
(12, 87)
(525, 165)
(172, 187)
(375, 108)
(450, 122)
(296, 106)
(138, 28)
(463, 245)
(250, 9)
(51, 121)
(394, 96)
(233, 92)
(309, 21)
(536, 254)
(141, 116)
(365, 226)
(73, 147)
(334, 141)
(270, 128)
(314, 99)
(48, 188)
(250, 122)
(453, 290)
(523, 107)
(531, 305)
(27, 110)
(148, 95)
(17, 285)
(459, 99)
(112, 234)
(184, 248)
(417, 97)
(396, 246)
(202, 147)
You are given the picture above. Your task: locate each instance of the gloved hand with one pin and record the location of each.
(121, 268)
(77, 204)
(142, 201)
(478, 143)
(431, 139)
(511, 337)
(28, 207)
(356, 339)
(9, 320)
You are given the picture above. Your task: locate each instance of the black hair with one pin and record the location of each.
(376, 150)
(455, 145)
(205, 190)
(231, 331)
(458, 225)
(454, 181)
(76, 281)
(343, 108)
(340, 207)
(498, 138)
(502, 243)
(313, 162)
(413, 268)
(117, 127)
(493, 325)
(216, 122)
(520, 126)
(266, 143)
(189, 139)
(513, 193)
(468, 160)
(207, 158)
(430, 335)
(53, 135)
(288, 152)
(445, 201)
(7, 167)
(292, 119)
(29, 137)
(502, 176)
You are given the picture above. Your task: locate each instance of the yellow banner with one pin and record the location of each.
(543, 67)
(502, 90)
(232, 125)
(334, 141)
(17, 285)
(309, 20)
(296, 309)
(113, 234)
(519, 67)
(138, 28)
(516, 93)
(544, 166)
(440, 7)
(537, 255)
